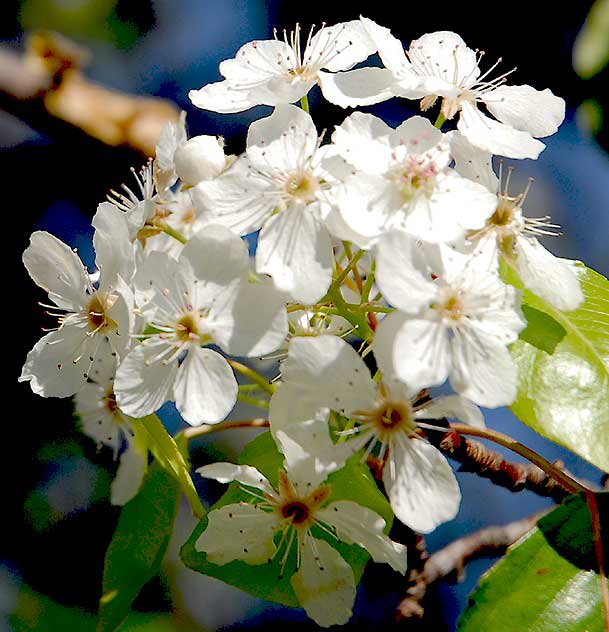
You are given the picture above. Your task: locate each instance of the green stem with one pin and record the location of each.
(338, 281)
(264, 384)
(368, 283)
(174, 233)
(570, 484)
(304, 103)
(440, 121)
(358, 320)
(356, 275)
(253, 401)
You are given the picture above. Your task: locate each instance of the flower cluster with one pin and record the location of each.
(379, 243)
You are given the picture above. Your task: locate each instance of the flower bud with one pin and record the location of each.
(200, 158)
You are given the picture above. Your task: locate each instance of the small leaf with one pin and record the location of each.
(542, 331)
(565, 396)
(591, 49)
(352, 482)
(171, 454)
(138, 545)
(542, 583)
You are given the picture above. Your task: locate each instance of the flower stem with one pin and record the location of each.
(440, 121)
(255, 377)
(191, 433)
(173, 233)
(507, 442)
(353, 264)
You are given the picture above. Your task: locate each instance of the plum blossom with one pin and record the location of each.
(323, 581)
(509, 233)
(276, 72)
(202, 298)
(402, 180)
(454, 318)
(92, 315)
(327, 372)
(440, 65)
(278, 186)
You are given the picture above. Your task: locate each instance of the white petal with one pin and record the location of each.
(114, 254)
(295, 249)
(58, 365)
(310, 455)
(253, 320)
(129, 476)
(239, 199)
(283, 141)
(495, 137)
(239, 532)
(200, 158)
(339, 47)
(452, 406)
(483, 372)
(472, 162)
(290, 403)
(324, 583)
(56, 269)
(205, 388)
(142, 385)
(354, 88)
(363, 140)
(420, 351)
(362, 526)
(547, 276)
(537, 112)
(401, 273)
(222, 97)
(420, 484)
(172, 136)
(218, 259)
(330, 372)
(389, 48)
(245, 474)
(418, 136)
(443, 60)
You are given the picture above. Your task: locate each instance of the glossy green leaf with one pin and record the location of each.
(171, 454)
(353, 482)
(542, 331)
(565, 395)
(545, 582)
(138, 545)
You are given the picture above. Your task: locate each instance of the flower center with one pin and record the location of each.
(302, 186)
(96, 314)
(187, 329)
(452, 307)
(296, 511)
(392, 417)
(416, 175)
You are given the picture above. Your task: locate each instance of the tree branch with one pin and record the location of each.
(451, 560)
(45, 88)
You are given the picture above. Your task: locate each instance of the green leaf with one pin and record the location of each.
(591, 50)
(565, 396)
(352, 482)
(138, 545)
(544, 583)
(542, 331)
(171, 454)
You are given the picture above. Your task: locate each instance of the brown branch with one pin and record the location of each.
(476, 457)
(45, 86)
(451, 560)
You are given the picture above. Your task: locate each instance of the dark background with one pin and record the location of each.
(57, 519)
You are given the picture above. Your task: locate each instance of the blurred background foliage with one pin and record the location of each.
(56, 515)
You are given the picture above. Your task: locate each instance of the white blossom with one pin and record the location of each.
(455, 319)
(276, 72)
(402, 180)
(509, 233)
(91, 315)
(278, 186)
(202, 298)
(323, 581)
(327, 372)
(440, 65)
